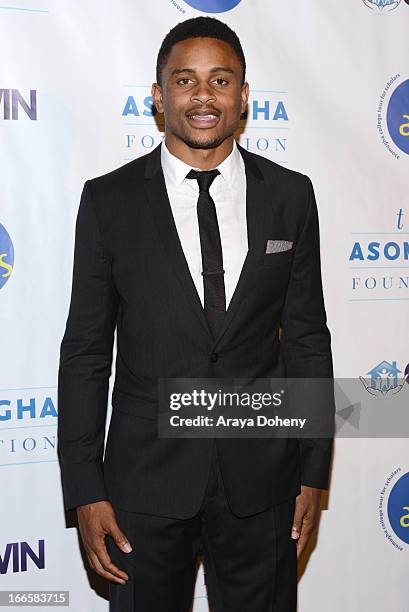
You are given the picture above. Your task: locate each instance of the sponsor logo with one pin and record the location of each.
(264, 127)
(384, 379)
(28, 421)
(379, 263)
(13, 103)
(393, 116)
(6, 256)
(393, 509)
(213, 6)
(382, 6)
(18, 556)
(398, 508)
(397, 116)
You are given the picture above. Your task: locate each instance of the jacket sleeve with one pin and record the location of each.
(85, 362)
(306, 345)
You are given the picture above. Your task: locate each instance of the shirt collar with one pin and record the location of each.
(176, 169)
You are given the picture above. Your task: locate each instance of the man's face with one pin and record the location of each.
(202, 96)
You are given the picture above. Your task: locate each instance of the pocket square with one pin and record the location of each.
(277, 246)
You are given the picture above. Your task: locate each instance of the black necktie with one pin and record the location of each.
(211, 247)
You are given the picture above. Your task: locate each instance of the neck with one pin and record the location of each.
(205, 159)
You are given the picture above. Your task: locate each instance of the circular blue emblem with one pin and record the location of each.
(398, 508)
(213, 6)
(6, 256)
(397, 117)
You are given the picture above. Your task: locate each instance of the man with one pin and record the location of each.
(173, 251)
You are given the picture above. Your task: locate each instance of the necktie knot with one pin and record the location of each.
(204, 178)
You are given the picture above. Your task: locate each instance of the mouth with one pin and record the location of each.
(200, 119)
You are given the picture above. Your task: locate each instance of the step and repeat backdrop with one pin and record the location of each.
(330, 98)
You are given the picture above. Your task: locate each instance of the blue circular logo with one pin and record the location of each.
(6, 256)
(213, 6)
(397, 116)
(398, 508)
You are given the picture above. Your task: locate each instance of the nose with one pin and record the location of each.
(203, 93)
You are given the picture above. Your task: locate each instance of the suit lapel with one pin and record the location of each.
(159, 203)
(256, 202)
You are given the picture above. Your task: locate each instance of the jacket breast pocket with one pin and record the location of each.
(278, 259)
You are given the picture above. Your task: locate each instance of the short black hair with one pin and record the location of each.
(206, 27)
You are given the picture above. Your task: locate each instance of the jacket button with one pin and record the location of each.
(214, 357)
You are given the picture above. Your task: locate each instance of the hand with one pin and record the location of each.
(95, 522)
(375, 392)
(307, 506)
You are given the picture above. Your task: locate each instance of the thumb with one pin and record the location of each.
(297, 521)
(120, 539)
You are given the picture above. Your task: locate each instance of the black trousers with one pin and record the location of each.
(249, 563)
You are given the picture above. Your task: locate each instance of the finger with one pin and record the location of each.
(105, 573)
(90, 562)
(303, 540)
(297, 522)
(120, 538)
(105, 560)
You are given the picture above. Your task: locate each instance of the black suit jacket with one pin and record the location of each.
(130, 273)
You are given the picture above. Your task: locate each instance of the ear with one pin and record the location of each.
(156, 93)
(245, 92)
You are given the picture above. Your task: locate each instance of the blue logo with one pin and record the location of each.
(384, 380)
(213, 6)
(378, 261)
(264, 127)
(398, 508)
(382, 6)
(27, 426)
(397, 116)
(6, 256)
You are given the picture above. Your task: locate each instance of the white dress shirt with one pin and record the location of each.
(228, 191)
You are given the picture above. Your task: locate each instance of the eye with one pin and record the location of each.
(184, 81)
(221, 81)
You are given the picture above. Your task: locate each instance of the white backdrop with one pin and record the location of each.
(329, 99)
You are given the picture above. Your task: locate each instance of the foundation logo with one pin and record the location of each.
(384, 379)
(394, 509)
(382, 6)
(264, 128)
(6, 256)
(378, 260)
(213, 6)
(28, 421)
(393, 116)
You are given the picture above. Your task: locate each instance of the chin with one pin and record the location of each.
(204, 143)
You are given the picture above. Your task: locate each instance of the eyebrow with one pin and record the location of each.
(192, 71)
